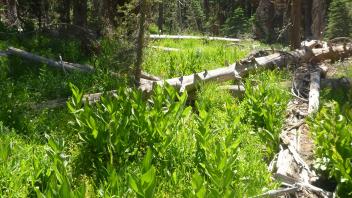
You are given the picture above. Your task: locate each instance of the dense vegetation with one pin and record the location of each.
(164, 144)
(126, 145)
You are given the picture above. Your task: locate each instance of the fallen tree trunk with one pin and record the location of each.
(62, 64)
(156, 36)
(168, 49)
(313, 104)
(57, 64)
(241, 68)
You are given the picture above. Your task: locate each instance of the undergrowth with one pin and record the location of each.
(331, 130)
(126, 145)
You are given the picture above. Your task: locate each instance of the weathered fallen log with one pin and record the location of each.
(50, 62)
(235, 90)
(241, 68)
(86, 99)
(62, 64)
(156, 36)
(2, 53)
(314, 44)
(313, 105)
(305, 55)
(279, 192)
(168, 49)
(188, 83)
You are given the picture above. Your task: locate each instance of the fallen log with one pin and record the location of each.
(62, 64)
(235, 90)
(314, 44)
(156, 36)
(313, 104)
(52, 63)
(188, 83)
(279, 192)
(86, 99)
(241, 68)
(168, 49)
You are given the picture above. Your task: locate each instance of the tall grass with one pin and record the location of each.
(194, 56)
(128, 146)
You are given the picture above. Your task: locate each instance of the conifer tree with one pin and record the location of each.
(340, 22)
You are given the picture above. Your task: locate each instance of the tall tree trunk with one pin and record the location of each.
(11, 13)
(140, 42)
(97, 16)
(295, 32)
(318, 18)
(206, 8)
(264, 27)
(161, 16)
(80, 13)
(307, 8)
(64, 11)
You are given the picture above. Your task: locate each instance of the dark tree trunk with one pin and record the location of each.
(140, 42)
(80, 13)
(319, 8)
(11, 13)
(161, 16)
(307, 9)
(206, 8)
(264, 27)
(295, 31)
(97, 16)
(64, 11)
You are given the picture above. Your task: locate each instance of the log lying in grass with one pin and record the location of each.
(62, 64)
(156, 36)
(313, 104)
(50, 62)
(51, 104)
(314, 44)
(167, 49)
(3, 53)
(235, 90)
(236, 70)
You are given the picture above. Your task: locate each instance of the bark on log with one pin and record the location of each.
(313, 105)
(189, 82)
(52, 63)
(168, 49)
(236, 70)
(155, 36)
(63, 64)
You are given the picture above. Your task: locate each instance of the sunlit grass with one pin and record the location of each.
(193, 56)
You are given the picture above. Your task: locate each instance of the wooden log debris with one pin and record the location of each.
(167, 49)
(57, 64)
(62, 64)
(156, 36)
(313, 105)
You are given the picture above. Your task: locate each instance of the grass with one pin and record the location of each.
(126, 146)
(194, 56)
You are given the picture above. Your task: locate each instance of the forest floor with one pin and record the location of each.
(214, 146)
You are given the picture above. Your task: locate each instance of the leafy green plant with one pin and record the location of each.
(144, 186)
(332, 133)
(264, 105)
(119, 128)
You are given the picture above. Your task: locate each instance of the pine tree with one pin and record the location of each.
(339, 24)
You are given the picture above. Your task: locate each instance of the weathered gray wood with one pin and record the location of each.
(313, 105)
(156, 36)
(189, 82)
(50, 62)
(279, 192)
(168, 49)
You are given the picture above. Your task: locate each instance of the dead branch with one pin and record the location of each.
(50, 62)
(313, 104)
(155, 36)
